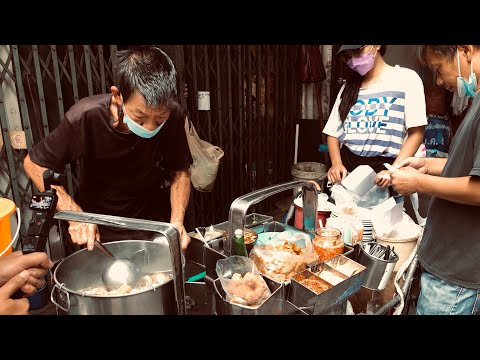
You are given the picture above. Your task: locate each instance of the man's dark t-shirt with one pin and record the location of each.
(450, 247)
(121, 174)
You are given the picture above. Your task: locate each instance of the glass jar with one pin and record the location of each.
(328, 243)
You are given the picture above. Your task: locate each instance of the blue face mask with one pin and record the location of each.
(464, 88)
(139, 129)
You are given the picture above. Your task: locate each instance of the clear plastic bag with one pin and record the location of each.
(346, 199)
(285, 254)
(242, 281)
(373, 197)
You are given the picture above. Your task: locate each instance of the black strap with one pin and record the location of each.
(351, 160)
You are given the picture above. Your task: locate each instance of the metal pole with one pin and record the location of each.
(406, 287)
(113, 56)
(102, 69)
(21, 95)
(61, 109)
(73, 72)
(41, 94)
(88, 68)
(230, 119)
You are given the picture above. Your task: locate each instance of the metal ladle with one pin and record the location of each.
(119, 270)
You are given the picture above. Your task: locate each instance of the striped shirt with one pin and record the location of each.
(377, 123)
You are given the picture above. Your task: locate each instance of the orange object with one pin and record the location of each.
(327, 243)
(7, 208)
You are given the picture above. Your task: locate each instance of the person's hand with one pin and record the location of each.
(383, 178)
(417, 163)
(336, 173)
(10, 306)
(37, 265)
(184, 238)
(405, 180)
(84, 233)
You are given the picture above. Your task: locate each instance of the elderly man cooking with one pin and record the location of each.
(130, 147)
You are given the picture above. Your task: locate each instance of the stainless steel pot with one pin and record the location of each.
(84, 269)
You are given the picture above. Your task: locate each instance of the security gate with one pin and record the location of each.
(41, 83)
(255, 102)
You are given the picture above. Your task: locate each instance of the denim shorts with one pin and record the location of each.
(438, 297)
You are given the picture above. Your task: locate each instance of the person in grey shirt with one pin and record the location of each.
(450, 249)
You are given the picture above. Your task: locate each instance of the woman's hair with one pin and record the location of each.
(150, 71)
(352, 86)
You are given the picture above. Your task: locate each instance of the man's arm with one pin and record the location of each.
(35, 172)
(179, 197)
(81, 233)
(435, 165)
(462, 190)
(426, 165)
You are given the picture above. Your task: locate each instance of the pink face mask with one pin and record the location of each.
(363, 63)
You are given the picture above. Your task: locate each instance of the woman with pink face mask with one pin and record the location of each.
(379, 115)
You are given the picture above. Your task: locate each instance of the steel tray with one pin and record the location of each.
(348, 284)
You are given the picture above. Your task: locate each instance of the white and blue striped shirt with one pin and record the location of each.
(377, 123)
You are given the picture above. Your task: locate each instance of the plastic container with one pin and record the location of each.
(40, 298)
(328, 243)
(403, 247)
(7, 208)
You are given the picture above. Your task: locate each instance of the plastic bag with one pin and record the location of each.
(241, 281)
(284, 255)
(373, 197)
(346, 199)
(206, 159)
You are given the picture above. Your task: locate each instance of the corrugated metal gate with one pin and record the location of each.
(45, 81)
(255, 102)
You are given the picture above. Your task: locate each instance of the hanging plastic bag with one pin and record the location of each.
(206, 159)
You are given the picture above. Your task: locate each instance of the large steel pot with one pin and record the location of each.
(84, 269)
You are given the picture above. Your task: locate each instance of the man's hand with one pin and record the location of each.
(10, 306)
(184, 238)
(420, 164)
(337, 173)
(406, 180)
(37, 265)
(84, 233)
